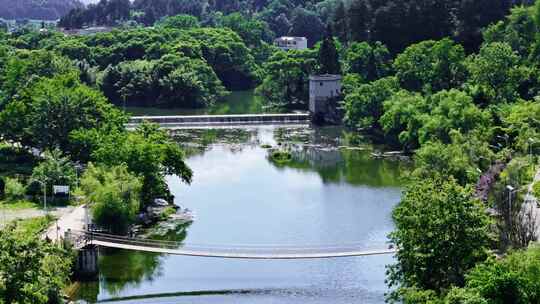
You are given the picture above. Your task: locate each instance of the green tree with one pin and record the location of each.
(328, 55)
(180, 22)
(148, 153)
(464, 158)
(114, 195)
(513, 279)
(402, 118)
(452, 110)
(364, 105)
(55, 169)
(442, 231)
(371, 62)
(518, 30)
(31, 270)
(45, 114)
(521, 122)
(495, 71)
(285, 82)
(431, 66)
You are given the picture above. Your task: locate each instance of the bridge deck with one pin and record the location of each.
(268, 254)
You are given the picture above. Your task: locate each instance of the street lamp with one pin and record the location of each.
(511, 190)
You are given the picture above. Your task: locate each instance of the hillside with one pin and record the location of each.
(36, 9)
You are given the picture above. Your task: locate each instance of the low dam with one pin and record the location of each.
(222, 120)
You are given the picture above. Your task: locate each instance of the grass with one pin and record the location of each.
(19, 205)
(33, 226)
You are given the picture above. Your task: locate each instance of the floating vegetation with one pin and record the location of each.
(281, 157)
(266, 146)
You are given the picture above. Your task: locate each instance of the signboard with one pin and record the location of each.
(61, 190)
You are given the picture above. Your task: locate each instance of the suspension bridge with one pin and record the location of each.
(82, 239)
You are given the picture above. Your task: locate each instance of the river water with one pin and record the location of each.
(237, 102)
(324, 196)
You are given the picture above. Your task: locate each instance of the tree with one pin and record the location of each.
(495, 71)
(148, 153)
(431, 66)
(442, 231)
(402, 118)
(114, 195)
(464, 158)
(31, 270)
(305, 23)
(518, 30)
(285, 82)
(339, 22)
(364, 106)
(180, 22)
(510, 280)
(473, 16)
(371, 62)
(24, 67)
(55, 169)
(452, 110)
(328, 55)
(358, 20)
(48, 112)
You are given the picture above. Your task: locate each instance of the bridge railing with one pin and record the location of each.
(267, 249)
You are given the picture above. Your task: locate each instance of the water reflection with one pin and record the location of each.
(238, 102)
(353, 167)
(326, 195)
(122, 269)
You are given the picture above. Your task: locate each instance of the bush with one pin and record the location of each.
(114, 195)
(536, 189)
(14, 190)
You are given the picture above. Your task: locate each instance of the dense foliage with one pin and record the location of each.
(114, 195)
(31, 270)
(441, 232)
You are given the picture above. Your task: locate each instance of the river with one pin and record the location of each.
(325, 196)
(237, 102)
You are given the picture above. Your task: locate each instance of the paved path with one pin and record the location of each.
(74, 220)
(531, 203)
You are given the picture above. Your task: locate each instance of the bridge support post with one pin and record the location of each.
(86, 267)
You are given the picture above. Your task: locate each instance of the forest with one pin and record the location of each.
(453, 84)
(38, 10)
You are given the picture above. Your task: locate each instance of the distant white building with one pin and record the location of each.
(323, 92)
(291, 43)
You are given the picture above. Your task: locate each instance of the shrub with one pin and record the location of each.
(114, 195)
(14, 190)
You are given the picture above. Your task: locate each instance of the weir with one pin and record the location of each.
(222, 120)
